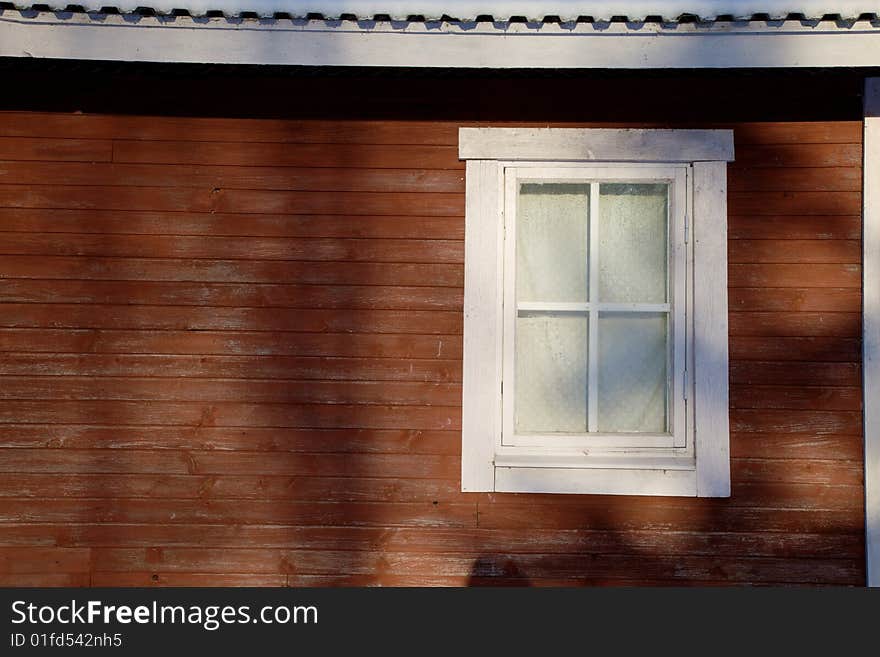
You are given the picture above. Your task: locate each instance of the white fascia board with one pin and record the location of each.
(786, 44)
(499, 9)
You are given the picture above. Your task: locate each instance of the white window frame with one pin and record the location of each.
(697, 463)
(677, 177)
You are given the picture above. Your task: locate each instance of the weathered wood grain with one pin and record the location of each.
(215, 271)
(239, 248)
(241, 343)
(404, 180)
(196, 318)
(234, 367)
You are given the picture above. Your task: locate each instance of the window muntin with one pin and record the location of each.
(595, 262)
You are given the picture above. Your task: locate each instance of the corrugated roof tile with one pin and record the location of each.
(502, 10)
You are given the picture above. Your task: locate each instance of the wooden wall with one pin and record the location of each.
(231, 354)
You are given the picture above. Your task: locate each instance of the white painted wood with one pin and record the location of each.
(634, 307)
(510, 186)
(481, 383)
(595, 144)
(593, 326)
(589, 443)
(495, 459)
(559, 457)
(871, 328)
(552, 307)
(600, 482)
(710, 330)
(787, 44)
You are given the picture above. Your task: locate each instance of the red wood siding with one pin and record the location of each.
(231, 354)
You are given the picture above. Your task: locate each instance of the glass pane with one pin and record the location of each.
(551, 374)
(632, 243)
(632, 358)
(551, 242)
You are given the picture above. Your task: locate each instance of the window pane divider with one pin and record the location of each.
(575, 307)
(593, 327)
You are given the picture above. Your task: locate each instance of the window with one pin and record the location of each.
(595, 346)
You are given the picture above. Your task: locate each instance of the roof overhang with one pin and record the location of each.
(789, 43)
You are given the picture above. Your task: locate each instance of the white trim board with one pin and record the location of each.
(498, 459)
(595, 144)
(775, 44)
(871, 327)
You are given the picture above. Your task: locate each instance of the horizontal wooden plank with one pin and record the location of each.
(795, 421)
(232, 367)
(800, 471)
(261, 512)
(207, 580)
(782, 484)
(795, 299)
(44, 579)
(806, 324)
(239, 487)
(231, 271)
(773, 483)
(250, 295)
(290, 466)
(400, 204)
(194, 318)
(63, 150)
(798, 155)
(216, 224)
(251, 390)
(812, 275)
(257, 439)
(795, 251)
(365, 156)
(170, 199)
(225, 414)
(782, 396)
(786, 373)
(600, 512)
(794, 227)
(789, 349)
(819, 179)
(473, 564)
(798, 132)
(796, 446)
(438, 539)
(241, 248)
(509, 577)
(14, 560)
(191, 199)
(254, 177)
(244, 343)
(799, 203)
(98, 461)
(787, 495)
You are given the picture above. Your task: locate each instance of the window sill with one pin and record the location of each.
(596, 481)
